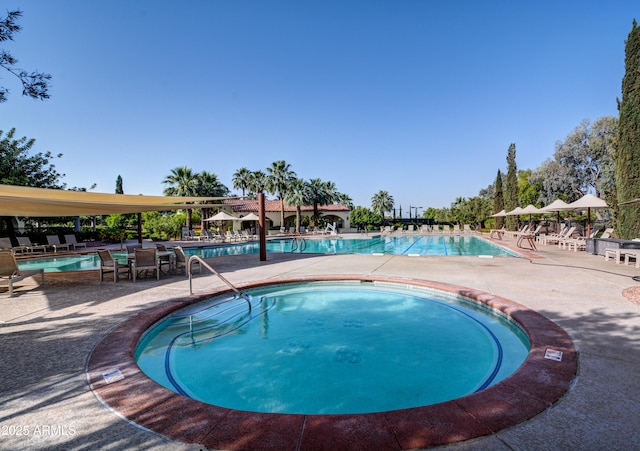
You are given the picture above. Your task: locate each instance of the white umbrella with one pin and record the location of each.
(250, 217)
(223, 216)
(499, 214)
(557, 206)
(587, 202)
(516, 211)
(530, 210)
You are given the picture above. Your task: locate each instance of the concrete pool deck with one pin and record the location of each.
(48, 333)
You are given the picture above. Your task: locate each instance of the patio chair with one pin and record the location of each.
(25, 245)
(109, 264)
(181, 260)
(132, 247)
(73, 242)
(11, 273)
(165, 258)
(145, 260)
(54, 242)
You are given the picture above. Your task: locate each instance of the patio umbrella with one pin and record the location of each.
(587, 202)
(251, 217)
(500, 214)
(223, 216)
(516, 211)
(530, 210)
(557, 206)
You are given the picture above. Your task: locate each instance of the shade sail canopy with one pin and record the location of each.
(222, 216)
(41, 202)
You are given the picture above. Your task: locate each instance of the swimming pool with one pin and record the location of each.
(397, 245)
(402, 245)
(546, 374)
(332, 348)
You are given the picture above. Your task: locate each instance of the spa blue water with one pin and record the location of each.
(413, 245)
(325, 348)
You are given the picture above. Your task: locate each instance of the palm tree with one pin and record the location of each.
(182, 182)
(256, 183)
(321, 193)
(344, 199)
(297, 195)
(380, 202)
(241, 179)
(209, 186)
(278, 179)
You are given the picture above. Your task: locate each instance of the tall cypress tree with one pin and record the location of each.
(627, 155)
(119, 189)
(498, 200)
(511, 188)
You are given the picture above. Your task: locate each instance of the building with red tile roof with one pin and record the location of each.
(329, 213)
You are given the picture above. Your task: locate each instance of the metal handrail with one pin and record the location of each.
(206, 265)
(295, 241)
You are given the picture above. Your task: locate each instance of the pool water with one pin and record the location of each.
(332, 348)
(402, 245)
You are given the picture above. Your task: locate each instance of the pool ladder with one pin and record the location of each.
(298, 244)
(216, 273)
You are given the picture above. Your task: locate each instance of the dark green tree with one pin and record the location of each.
(511, 188)
(119, 189)
(627, 154)
(498, 200)
(34, 84)
(18, 166)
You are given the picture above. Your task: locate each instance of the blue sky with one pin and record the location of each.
(418, 98)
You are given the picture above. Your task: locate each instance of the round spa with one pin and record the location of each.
(332, 348)
(305, 362)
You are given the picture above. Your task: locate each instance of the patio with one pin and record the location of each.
(49, 332)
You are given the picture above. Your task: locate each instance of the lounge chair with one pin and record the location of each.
(73, 242)
(607, 233)
(497, 233)
(5, 243)
(467, 229)
(25, 245)
(10, 272)
(145, 260)
(556, 239)
(54, 242)
(578, 243)
(109, 264)
(182, 261)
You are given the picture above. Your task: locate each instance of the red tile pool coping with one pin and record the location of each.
(534, 387)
